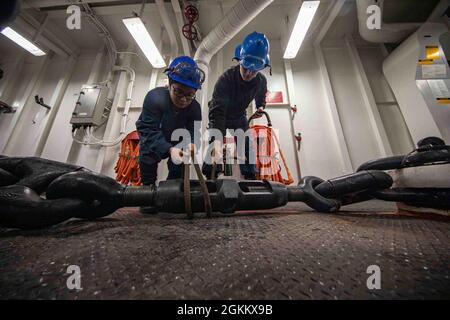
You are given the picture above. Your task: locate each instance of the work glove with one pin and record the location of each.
(217, 152)
(177, 155)
(259, 113)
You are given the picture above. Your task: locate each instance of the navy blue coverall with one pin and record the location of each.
(159, 118)
(228, 108)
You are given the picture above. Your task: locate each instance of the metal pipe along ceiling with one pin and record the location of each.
(237, 18)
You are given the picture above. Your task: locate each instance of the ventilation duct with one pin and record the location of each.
(237, 18)
(388, 32)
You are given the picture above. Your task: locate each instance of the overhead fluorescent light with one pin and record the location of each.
(302, 24)
(21, 41)
(140, 34)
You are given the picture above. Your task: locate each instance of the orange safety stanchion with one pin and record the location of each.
(127, 167)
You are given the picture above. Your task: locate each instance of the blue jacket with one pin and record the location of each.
(159, 118)
(231, 97)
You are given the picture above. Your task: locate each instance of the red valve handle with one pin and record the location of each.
(191, 13)
(190, 32)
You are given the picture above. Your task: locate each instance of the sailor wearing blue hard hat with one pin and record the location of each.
(234, 91)
(166, 109)
(253, 55)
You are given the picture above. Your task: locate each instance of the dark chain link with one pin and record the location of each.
(36, 193)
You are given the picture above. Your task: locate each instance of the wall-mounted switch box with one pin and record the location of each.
(90, 106)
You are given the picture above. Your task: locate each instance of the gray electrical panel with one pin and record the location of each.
(90, 106)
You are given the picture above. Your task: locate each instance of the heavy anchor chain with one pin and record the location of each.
(37, 193)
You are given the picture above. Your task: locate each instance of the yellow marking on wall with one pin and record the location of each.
(443, 100)
(426, 61)
(432, 52)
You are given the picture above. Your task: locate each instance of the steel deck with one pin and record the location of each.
(286, 253)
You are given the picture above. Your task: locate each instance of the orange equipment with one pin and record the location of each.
(267, 148)
(127, 167)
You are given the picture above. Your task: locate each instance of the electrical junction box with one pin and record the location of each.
(90, 106)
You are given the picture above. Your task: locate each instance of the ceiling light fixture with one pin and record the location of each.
(21, 41)
(140, 34)
(302, 24)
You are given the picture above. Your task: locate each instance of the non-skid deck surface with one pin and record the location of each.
(287, 253)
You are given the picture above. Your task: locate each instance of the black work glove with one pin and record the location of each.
(259, 113)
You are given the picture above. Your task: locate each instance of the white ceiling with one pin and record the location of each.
(271, 21)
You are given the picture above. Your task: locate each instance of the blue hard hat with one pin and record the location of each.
(237, 53)
(254, 52)
(267, 61)
(185, 70)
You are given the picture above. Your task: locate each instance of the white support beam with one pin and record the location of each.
(292, 101)
(12, 76)
(169, 27)
(40, 29)
(155, 72)
(97, 67)
(42, 35)
(292, 98)
(22, 25)
(29, 94)
(370, 104)
(113, 124)
(55, 103)
(326, 26)
(342, 147)
(94, 75)
(57, 3)
(153, 79)
(180, 23)
(47, 35)
(112, 10)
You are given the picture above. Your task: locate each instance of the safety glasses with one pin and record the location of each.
(188, 72)
(180, 94)
(253, 63)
